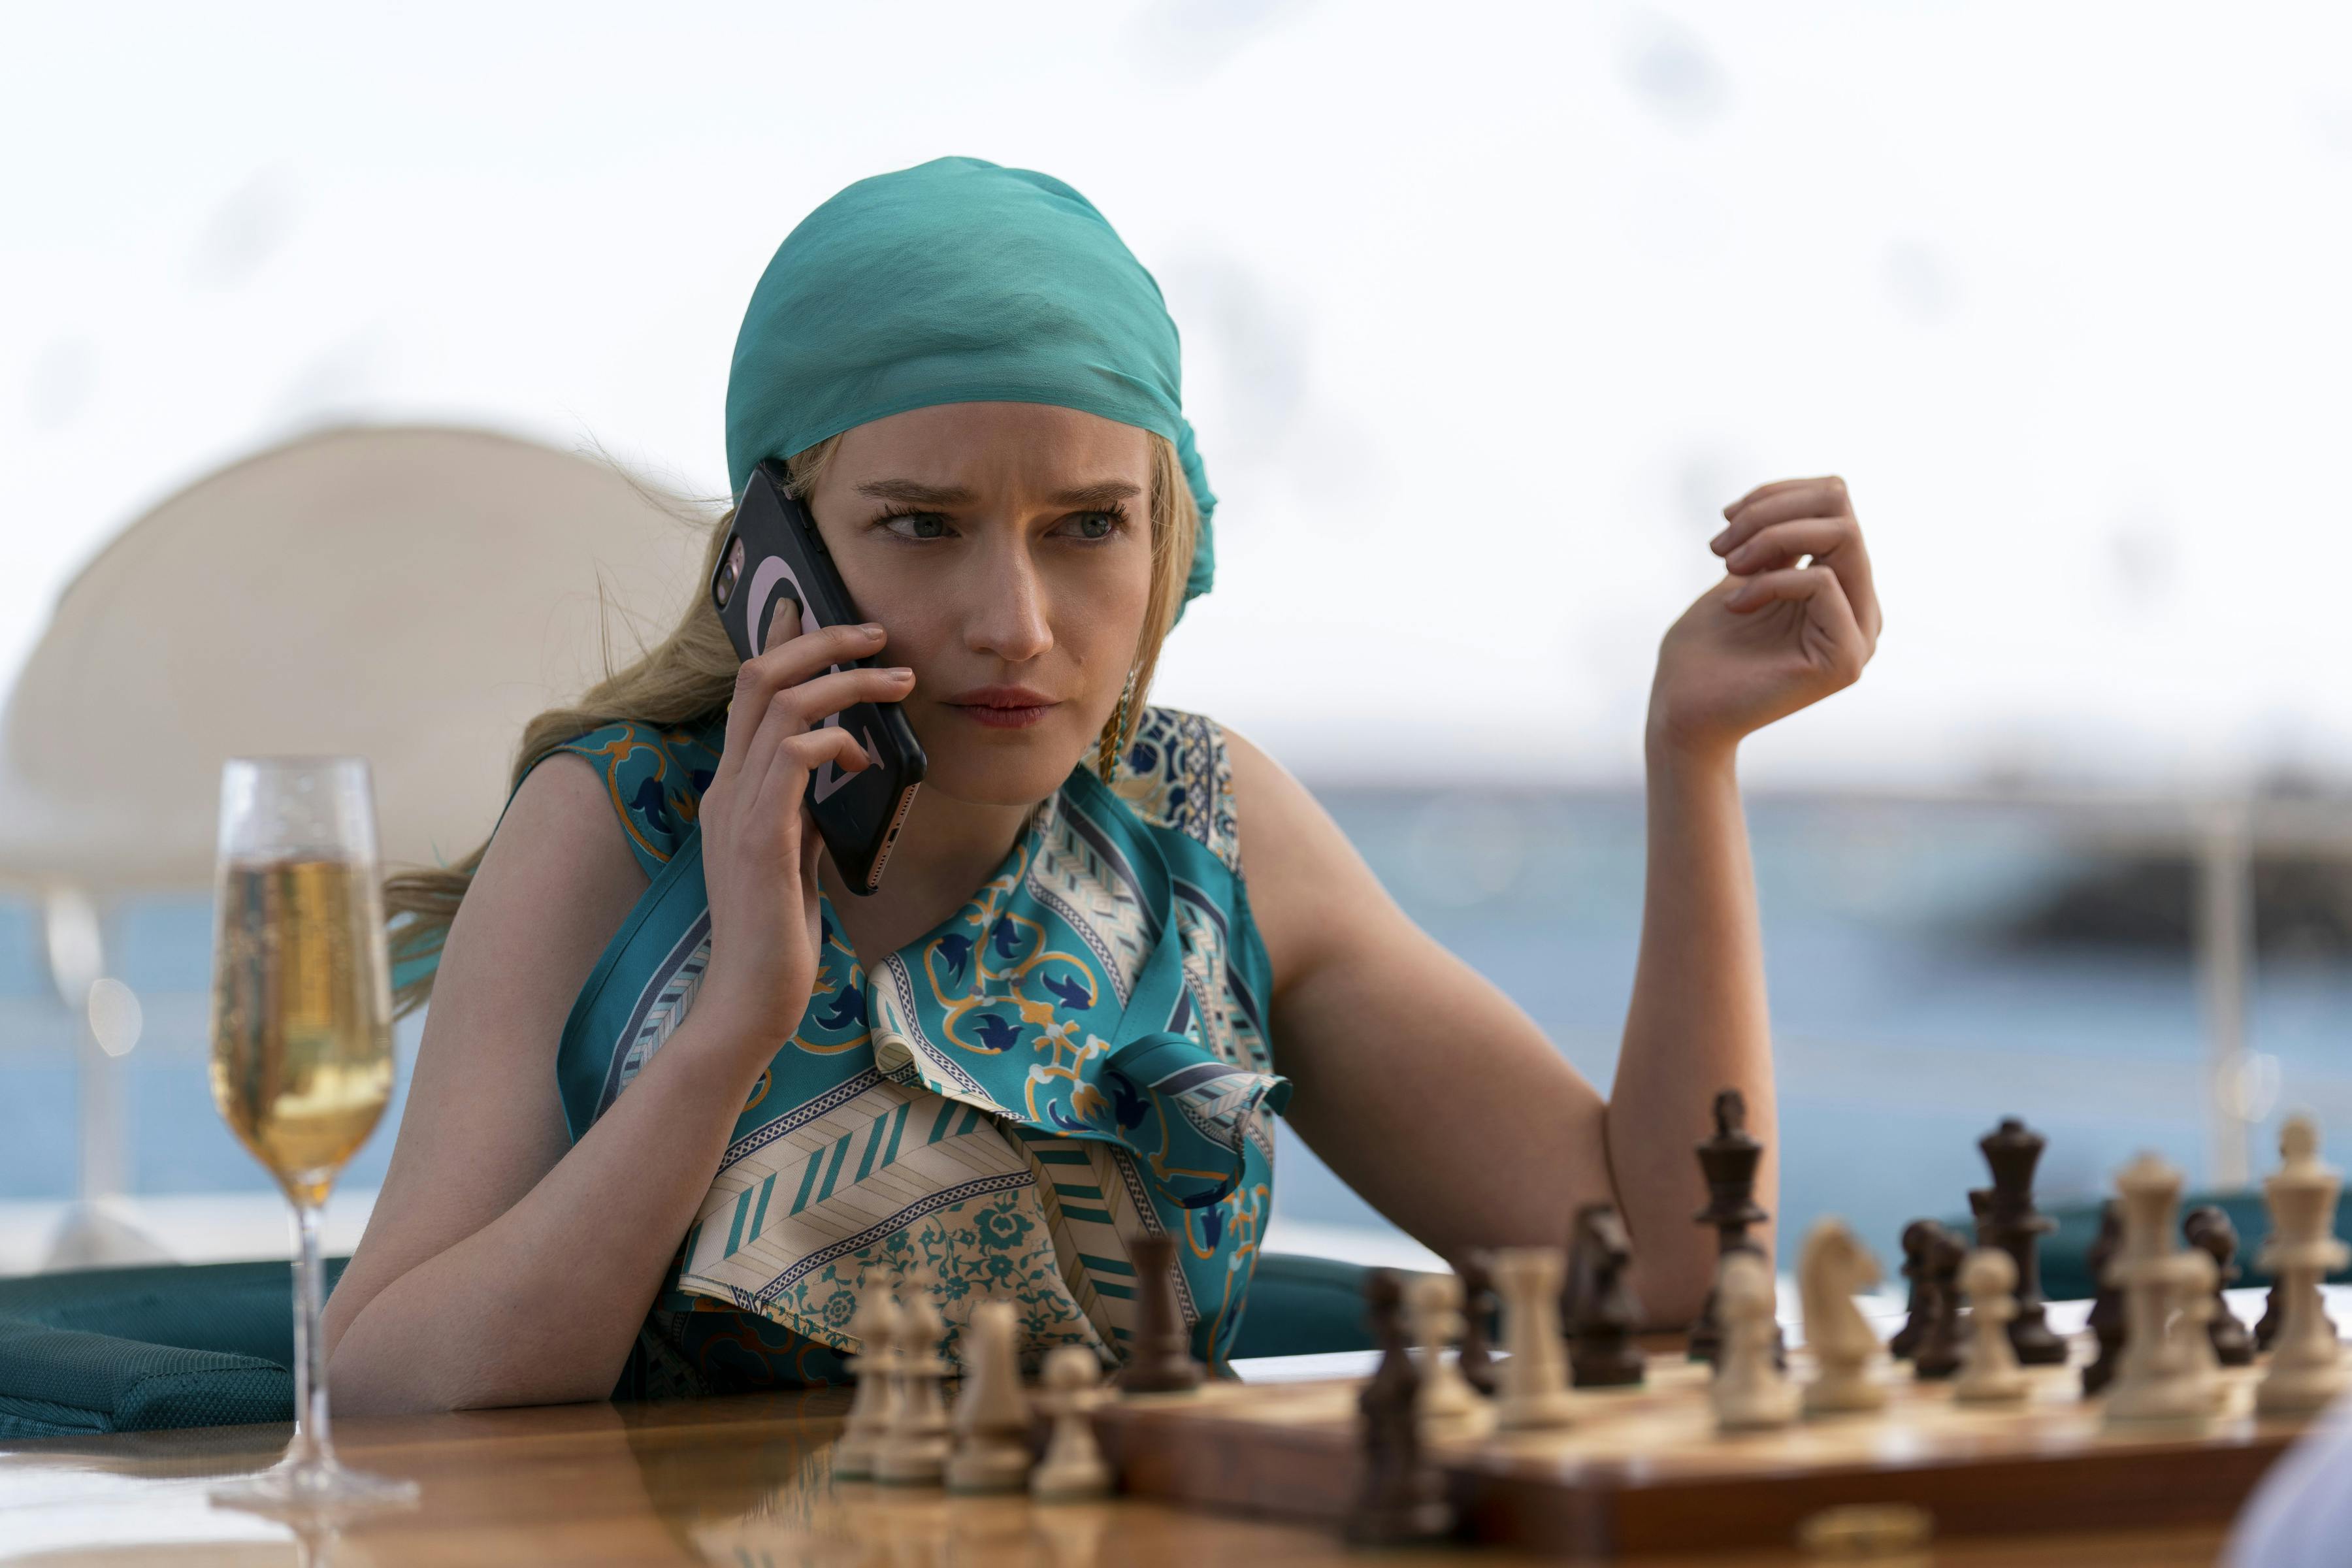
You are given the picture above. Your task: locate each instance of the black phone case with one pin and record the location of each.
(859, 815)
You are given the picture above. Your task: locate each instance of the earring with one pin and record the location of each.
(1114, 735)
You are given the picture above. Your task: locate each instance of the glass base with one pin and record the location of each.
(309, 1484)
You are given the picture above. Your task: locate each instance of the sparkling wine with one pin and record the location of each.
(301, 1015)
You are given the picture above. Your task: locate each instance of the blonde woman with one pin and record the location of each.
(683, 1100)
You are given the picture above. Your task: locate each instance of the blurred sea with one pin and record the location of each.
(1905, 1023)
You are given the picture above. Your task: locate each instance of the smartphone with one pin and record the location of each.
(772, 557)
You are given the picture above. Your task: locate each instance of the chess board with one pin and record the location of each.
(1642, 1470)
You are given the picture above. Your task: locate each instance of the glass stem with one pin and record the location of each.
(310, 1439)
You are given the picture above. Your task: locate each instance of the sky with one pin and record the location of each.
(1483, 321)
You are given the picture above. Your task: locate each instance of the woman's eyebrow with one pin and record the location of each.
(910, 492)
(1104, 494)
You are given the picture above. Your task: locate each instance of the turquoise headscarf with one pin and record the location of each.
(955, 281)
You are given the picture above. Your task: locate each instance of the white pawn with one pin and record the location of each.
(1749, 1393)
(1833, 1265)
(2200, 1276)
(1073, 1466)
(1534, 1373)
(2307, 1362)
(876, 1324)
(1990, 1374)
(1435, 1304)
(2154, 1379)
(914, 1447)
(991, 1414)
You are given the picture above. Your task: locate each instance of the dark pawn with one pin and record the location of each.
(2208, 1226)
(1602, 1310)
(1938, 1354)
(1915, 1237)
(2011, 1223)
(1402, 1497)
(1729, 1161)
(1476, 1272)
(1162, 1362)
(2107, 1307)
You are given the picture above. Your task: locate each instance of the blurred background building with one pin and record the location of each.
(1484, 323)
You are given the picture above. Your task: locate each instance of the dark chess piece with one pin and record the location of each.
(1476, 1272)
(2013, 1224)
(1939, 1353)
(1980, 1210)
(1906, 1338)
(2208, 1226)
(1162, 1361)
(1729, 1161)
(1601, 1312)
(2108, 1320)
(1401, 1498)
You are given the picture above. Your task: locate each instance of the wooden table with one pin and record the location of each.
(745, 1482)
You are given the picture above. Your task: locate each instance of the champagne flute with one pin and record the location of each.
(301, 1064)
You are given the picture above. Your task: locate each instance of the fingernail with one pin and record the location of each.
(900, 672)
(872, 629)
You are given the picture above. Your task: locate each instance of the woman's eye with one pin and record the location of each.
(1096, 524)
(916, 525)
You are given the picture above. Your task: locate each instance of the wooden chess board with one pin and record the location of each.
(1642, 1470)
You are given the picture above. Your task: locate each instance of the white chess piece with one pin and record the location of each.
(2306, 1368)
(1750, 1392)
(876, 1324)
(2199, 1277)
(1433, 1304)
(991, 1414)
(2155, 1379)
(1832, 1267)
(1533, 1376)
(1073, 1466)
(914, 1447)
(1989, 1374)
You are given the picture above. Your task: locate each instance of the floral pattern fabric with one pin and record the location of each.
(1078, 1057)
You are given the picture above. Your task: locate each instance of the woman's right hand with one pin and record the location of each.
(760, 846)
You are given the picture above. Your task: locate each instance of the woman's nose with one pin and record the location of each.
(1008, 619)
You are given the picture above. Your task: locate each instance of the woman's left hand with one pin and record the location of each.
(1773, 635)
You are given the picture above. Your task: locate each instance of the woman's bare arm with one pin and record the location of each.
(504, 1264)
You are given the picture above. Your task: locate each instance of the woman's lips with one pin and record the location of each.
(998, 717)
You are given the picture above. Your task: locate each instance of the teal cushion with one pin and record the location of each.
(132, 1349)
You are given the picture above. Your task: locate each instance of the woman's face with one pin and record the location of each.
(1006, 548)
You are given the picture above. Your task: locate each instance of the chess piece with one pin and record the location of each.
(1602, 1310)
(1917, 1236)
(1729, 1161)
(1749, 1391)
(1831, 1269)
(876, 1325)
(1477, 1361)
(2107, 1321)
(2274, 1304)
(1980, 1211)
(1938, 1354)
(1401, 1498)
(2208, 1227)
(2155, 1379)
(2011, 1223)
(1434, 1305)
(991, 1414)
(1073, 1466)
(1992, 1375)
(913, 1448)
(2306, 1368)
(1533, 1380)
(1162, 1359)
(2200, 1298)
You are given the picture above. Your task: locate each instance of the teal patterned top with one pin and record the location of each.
(1078, 1057)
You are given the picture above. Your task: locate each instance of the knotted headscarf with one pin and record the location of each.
(955, 281)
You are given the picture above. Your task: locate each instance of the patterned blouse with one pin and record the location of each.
(1078, 1057)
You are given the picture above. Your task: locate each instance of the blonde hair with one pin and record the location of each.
(689, 675)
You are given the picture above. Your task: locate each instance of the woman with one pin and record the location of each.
(1111, 939)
